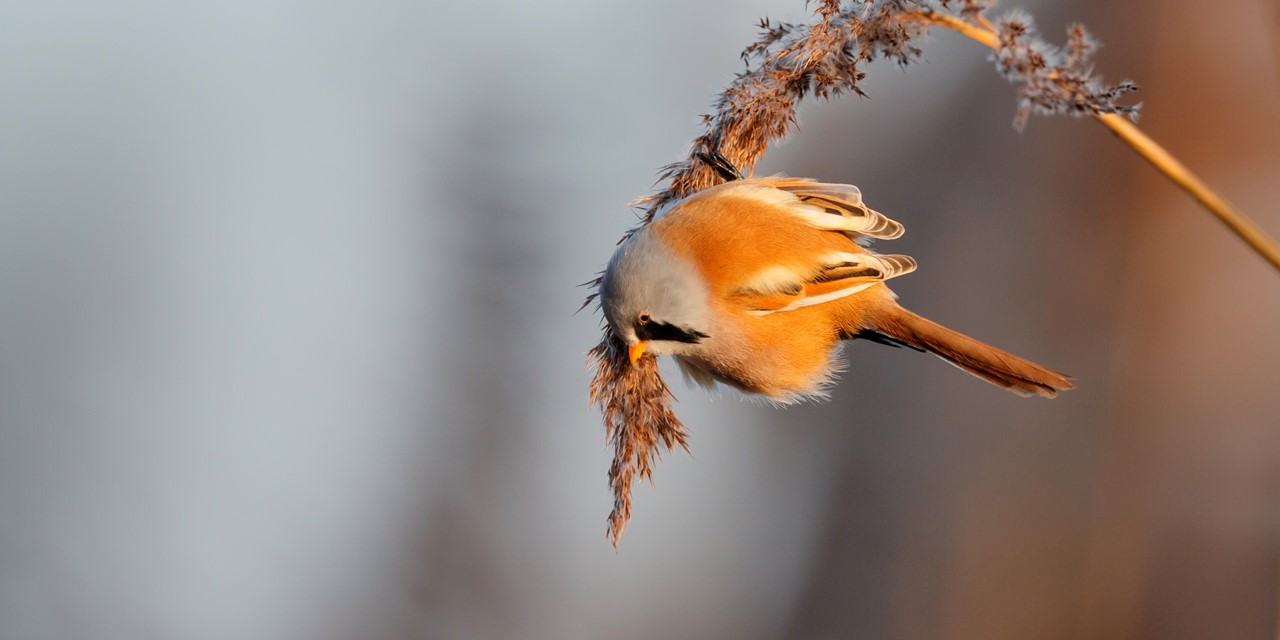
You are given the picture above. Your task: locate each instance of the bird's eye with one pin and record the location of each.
(644, 318)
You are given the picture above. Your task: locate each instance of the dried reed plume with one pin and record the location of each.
(789, 62)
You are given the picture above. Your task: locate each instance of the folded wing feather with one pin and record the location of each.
(839, 275)
(841, 208)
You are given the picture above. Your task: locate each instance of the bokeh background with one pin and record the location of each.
(288, 350)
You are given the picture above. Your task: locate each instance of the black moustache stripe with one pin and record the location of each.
(669, 332)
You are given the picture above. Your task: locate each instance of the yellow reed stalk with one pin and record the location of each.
(1160, 158)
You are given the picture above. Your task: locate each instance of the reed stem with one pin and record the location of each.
(1240, 224)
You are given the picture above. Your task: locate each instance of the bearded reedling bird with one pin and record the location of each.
(753, 283)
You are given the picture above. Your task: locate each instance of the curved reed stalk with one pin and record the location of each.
(1239, 223)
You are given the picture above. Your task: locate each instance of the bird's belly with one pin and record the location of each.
(781, 370)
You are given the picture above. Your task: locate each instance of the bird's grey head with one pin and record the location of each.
(653, 298)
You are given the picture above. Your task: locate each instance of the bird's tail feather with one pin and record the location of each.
(996, 366)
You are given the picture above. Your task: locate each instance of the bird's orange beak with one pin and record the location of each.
(637, 350)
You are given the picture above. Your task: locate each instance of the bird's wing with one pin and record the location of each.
(838, 274)
(837, 207)
(779, 244)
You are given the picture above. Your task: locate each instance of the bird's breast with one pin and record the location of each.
(785, 356)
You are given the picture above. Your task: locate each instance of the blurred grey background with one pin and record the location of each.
(287, 343)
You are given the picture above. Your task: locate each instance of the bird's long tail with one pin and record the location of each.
(996, 366)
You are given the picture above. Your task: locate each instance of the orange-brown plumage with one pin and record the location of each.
(754, 282)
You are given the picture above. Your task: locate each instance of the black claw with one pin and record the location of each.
(720, 165)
